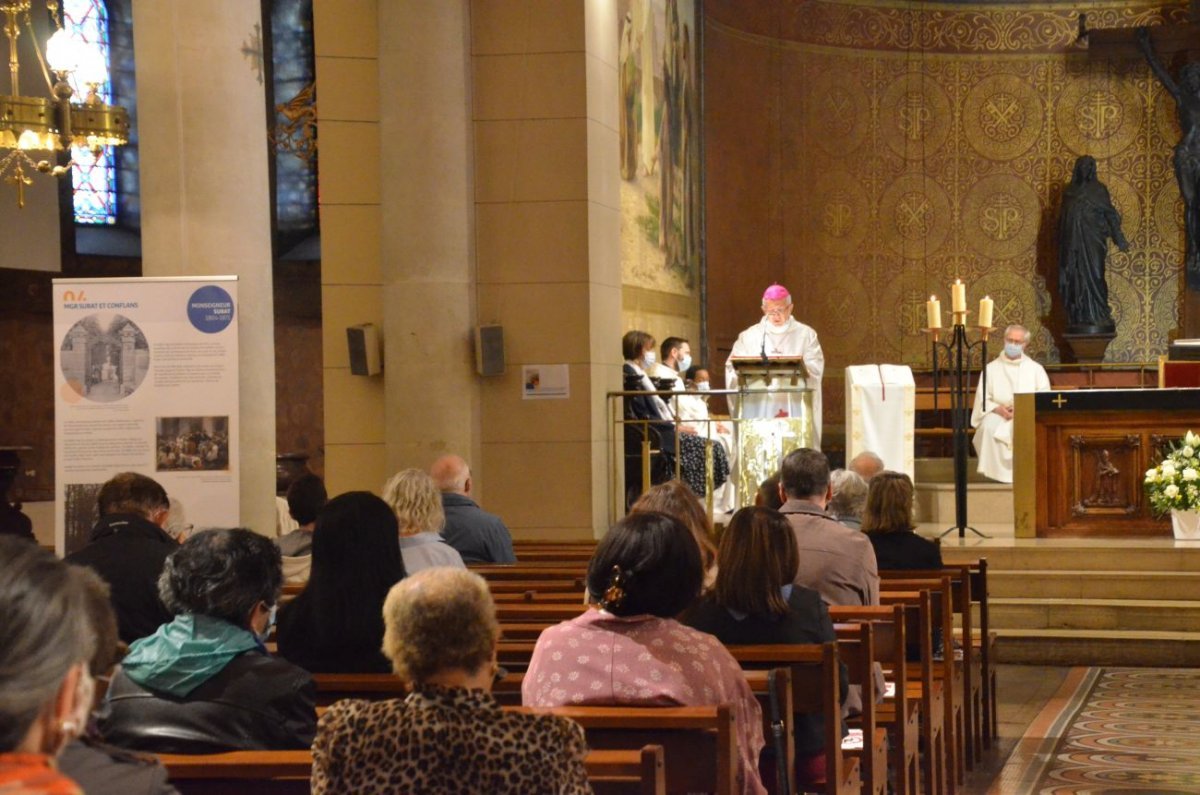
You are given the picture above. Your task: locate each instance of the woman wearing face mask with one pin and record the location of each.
(675, 440)
(46, 689)
(754, 602)
(204, 683)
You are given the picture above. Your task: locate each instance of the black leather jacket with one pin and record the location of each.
(257, 702)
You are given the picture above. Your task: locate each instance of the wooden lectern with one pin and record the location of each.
(773, 415)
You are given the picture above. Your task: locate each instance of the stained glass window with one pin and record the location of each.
(94, 176)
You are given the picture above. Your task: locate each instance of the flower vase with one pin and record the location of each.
(1186, 524)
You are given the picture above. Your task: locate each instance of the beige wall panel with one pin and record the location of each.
(604, 244)
(343, 306)
(354, 467)
(538, 86)
(525, 483)
(604, 305)
(531, 242)
(506, 417)
(600, 31)
(542, 160)
(526, 26)
(605, 378)
(353, 407)
(349, 89)
(346, 28)
(354, 148)
(350, 244)
(604, 165)
(602, 102)
(543, 324)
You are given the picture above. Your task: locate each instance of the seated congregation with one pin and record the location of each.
(747, 663)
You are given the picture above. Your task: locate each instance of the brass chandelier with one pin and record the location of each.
(30, 125)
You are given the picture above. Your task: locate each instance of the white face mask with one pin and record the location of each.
(266, 633)
(649, 358)
(684, 363)
(703, 386)
(1012, 350)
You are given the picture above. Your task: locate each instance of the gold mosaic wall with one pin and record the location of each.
(913, 143)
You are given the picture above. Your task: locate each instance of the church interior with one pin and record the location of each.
(510, 186)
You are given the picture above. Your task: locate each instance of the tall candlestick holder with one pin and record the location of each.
(958, 350)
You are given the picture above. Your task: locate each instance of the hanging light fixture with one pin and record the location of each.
(30, 125)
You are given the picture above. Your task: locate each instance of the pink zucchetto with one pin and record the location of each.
(776, 292)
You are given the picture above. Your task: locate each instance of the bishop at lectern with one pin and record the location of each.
(779, 335)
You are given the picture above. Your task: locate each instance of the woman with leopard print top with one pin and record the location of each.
(449, 735)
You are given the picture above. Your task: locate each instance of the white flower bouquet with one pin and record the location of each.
(1175, 483)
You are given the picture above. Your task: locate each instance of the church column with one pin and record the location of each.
(205, 194)
(547, 236)
(428, 273)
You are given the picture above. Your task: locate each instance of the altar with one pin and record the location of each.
(1082, 456)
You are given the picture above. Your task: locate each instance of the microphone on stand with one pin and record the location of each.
(763, 352)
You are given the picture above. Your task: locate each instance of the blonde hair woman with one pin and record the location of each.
(441, 633)
(417, 503)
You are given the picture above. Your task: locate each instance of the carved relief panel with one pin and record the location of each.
(1105, 475)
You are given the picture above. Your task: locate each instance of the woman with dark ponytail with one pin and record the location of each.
(628, 649)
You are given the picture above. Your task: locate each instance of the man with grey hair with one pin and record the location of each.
(1009, 374)
(127, 547)
(480, 537)
(849, 498)
(866, 465)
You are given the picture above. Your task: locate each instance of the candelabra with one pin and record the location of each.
(958, 350)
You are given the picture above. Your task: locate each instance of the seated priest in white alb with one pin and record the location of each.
(1010, 373)
(778, 334)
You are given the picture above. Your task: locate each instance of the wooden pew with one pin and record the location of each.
(699, 743)
(931, 605)
(966, 665)
(270, 772)
(507, 691)
(621, 772)
(627, 772)
(899, 713)
(858, 652)
(815, 690)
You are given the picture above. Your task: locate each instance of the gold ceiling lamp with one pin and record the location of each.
(54, 124)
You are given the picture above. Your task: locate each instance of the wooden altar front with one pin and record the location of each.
(1081, 457)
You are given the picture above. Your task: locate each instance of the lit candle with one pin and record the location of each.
(958, 296)
(933, 309)
(986, 304)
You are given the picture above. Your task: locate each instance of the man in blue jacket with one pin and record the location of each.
(480, 537)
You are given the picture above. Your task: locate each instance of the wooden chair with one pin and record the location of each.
(699, 743)
(815, 690)
(640, 772)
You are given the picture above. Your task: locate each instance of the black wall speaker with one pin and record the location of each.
(489, 350)
(363, 341)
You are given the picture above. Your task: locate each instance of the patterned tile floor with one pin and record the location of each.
(1102, 730)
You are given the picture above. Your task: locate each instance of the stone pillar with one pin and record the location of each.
(205, 194)
(427, 242)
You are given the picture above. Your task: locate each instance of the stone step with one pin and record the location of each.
(1097, 647)
(986, 502)
(1070, 555)
(1080, 584)
(1095, 614)
(941, 470)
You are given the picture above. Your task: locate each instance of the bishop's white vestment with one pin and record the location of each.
(993, 435)
(794, 339)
